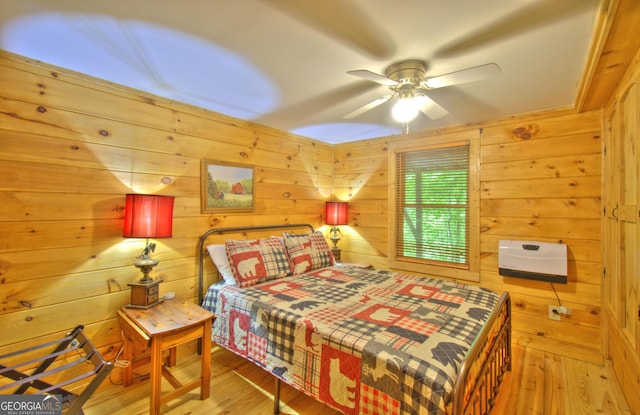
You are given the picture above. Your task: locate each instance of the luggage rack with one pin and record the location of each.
(76, 349)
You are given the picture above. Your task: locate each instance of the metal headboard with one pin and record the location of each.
(219, 231)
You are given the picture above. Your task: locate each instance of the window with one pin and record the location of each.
(434, 209)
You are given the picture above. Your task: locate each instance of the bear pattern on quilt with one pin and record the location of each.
(364, 342)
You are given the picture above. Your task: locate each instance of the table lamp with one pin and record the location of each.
(147, 216)
(336, 214)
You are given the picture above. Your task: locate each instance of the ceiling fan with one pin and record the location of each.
(407, 80)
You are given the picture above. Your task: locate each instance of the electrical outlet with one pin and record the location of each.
(554, 312)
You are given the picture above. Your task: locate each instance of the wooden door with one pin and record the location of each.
(628, 213)
(621, 194)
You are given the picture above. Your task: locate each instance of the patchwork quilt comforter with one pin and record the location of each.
(362, 341)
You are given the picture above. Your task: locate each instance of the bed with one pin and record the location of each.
(362, 341)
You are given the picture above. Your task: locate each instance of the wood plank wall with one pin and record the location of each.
(71, 147)
(540, 180)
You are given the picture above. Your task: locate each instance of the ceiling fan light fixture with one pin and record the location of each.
(405, 110)
(406, 79)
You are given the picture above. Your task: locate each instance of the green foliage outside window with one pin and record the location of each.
(434, 209)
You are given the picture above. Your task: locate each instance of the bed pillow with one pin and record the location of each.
(257, 260)
(218, 254)
(308, 251)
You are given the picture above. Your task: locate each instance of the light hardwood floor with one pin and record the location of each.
(539, 383)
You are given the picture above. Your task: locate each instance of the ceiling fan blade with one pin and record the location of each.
(367, 107)
(429, 107)
(372, 76)
(477, 73)
(532, 16)
(293, 116)
(344, 21)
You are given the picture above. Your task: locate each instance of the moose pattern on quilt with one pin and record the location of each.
(362, 341)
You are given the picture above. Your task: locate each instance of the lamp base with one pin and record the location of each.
(334, 237)
(336, 254)
(145, 264)
(145, 295)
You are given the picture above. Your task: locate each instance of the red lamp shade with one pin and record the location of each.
(148, 216)
(336, 213)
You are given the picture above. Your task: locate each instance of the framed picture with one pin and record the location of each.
(226, 187)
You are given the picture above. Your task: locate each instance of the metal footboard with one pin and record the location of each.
(494, 346)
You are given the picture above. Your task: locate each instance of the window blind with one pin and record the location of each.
(432, 204)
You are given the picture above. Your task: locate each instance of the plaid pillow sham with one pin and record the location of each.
(257, 260)
(308, 251)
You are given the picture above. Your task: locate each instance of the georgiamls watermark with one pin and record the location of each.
(30, 405)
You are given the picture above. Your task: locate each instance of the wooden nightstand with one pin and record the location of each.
(165, 326)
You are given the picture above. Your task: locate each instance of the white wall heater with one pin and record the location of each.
(542, 261)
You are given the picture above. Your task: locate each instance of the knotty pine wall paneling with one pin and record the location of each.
(540, 180)
(71, 147)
